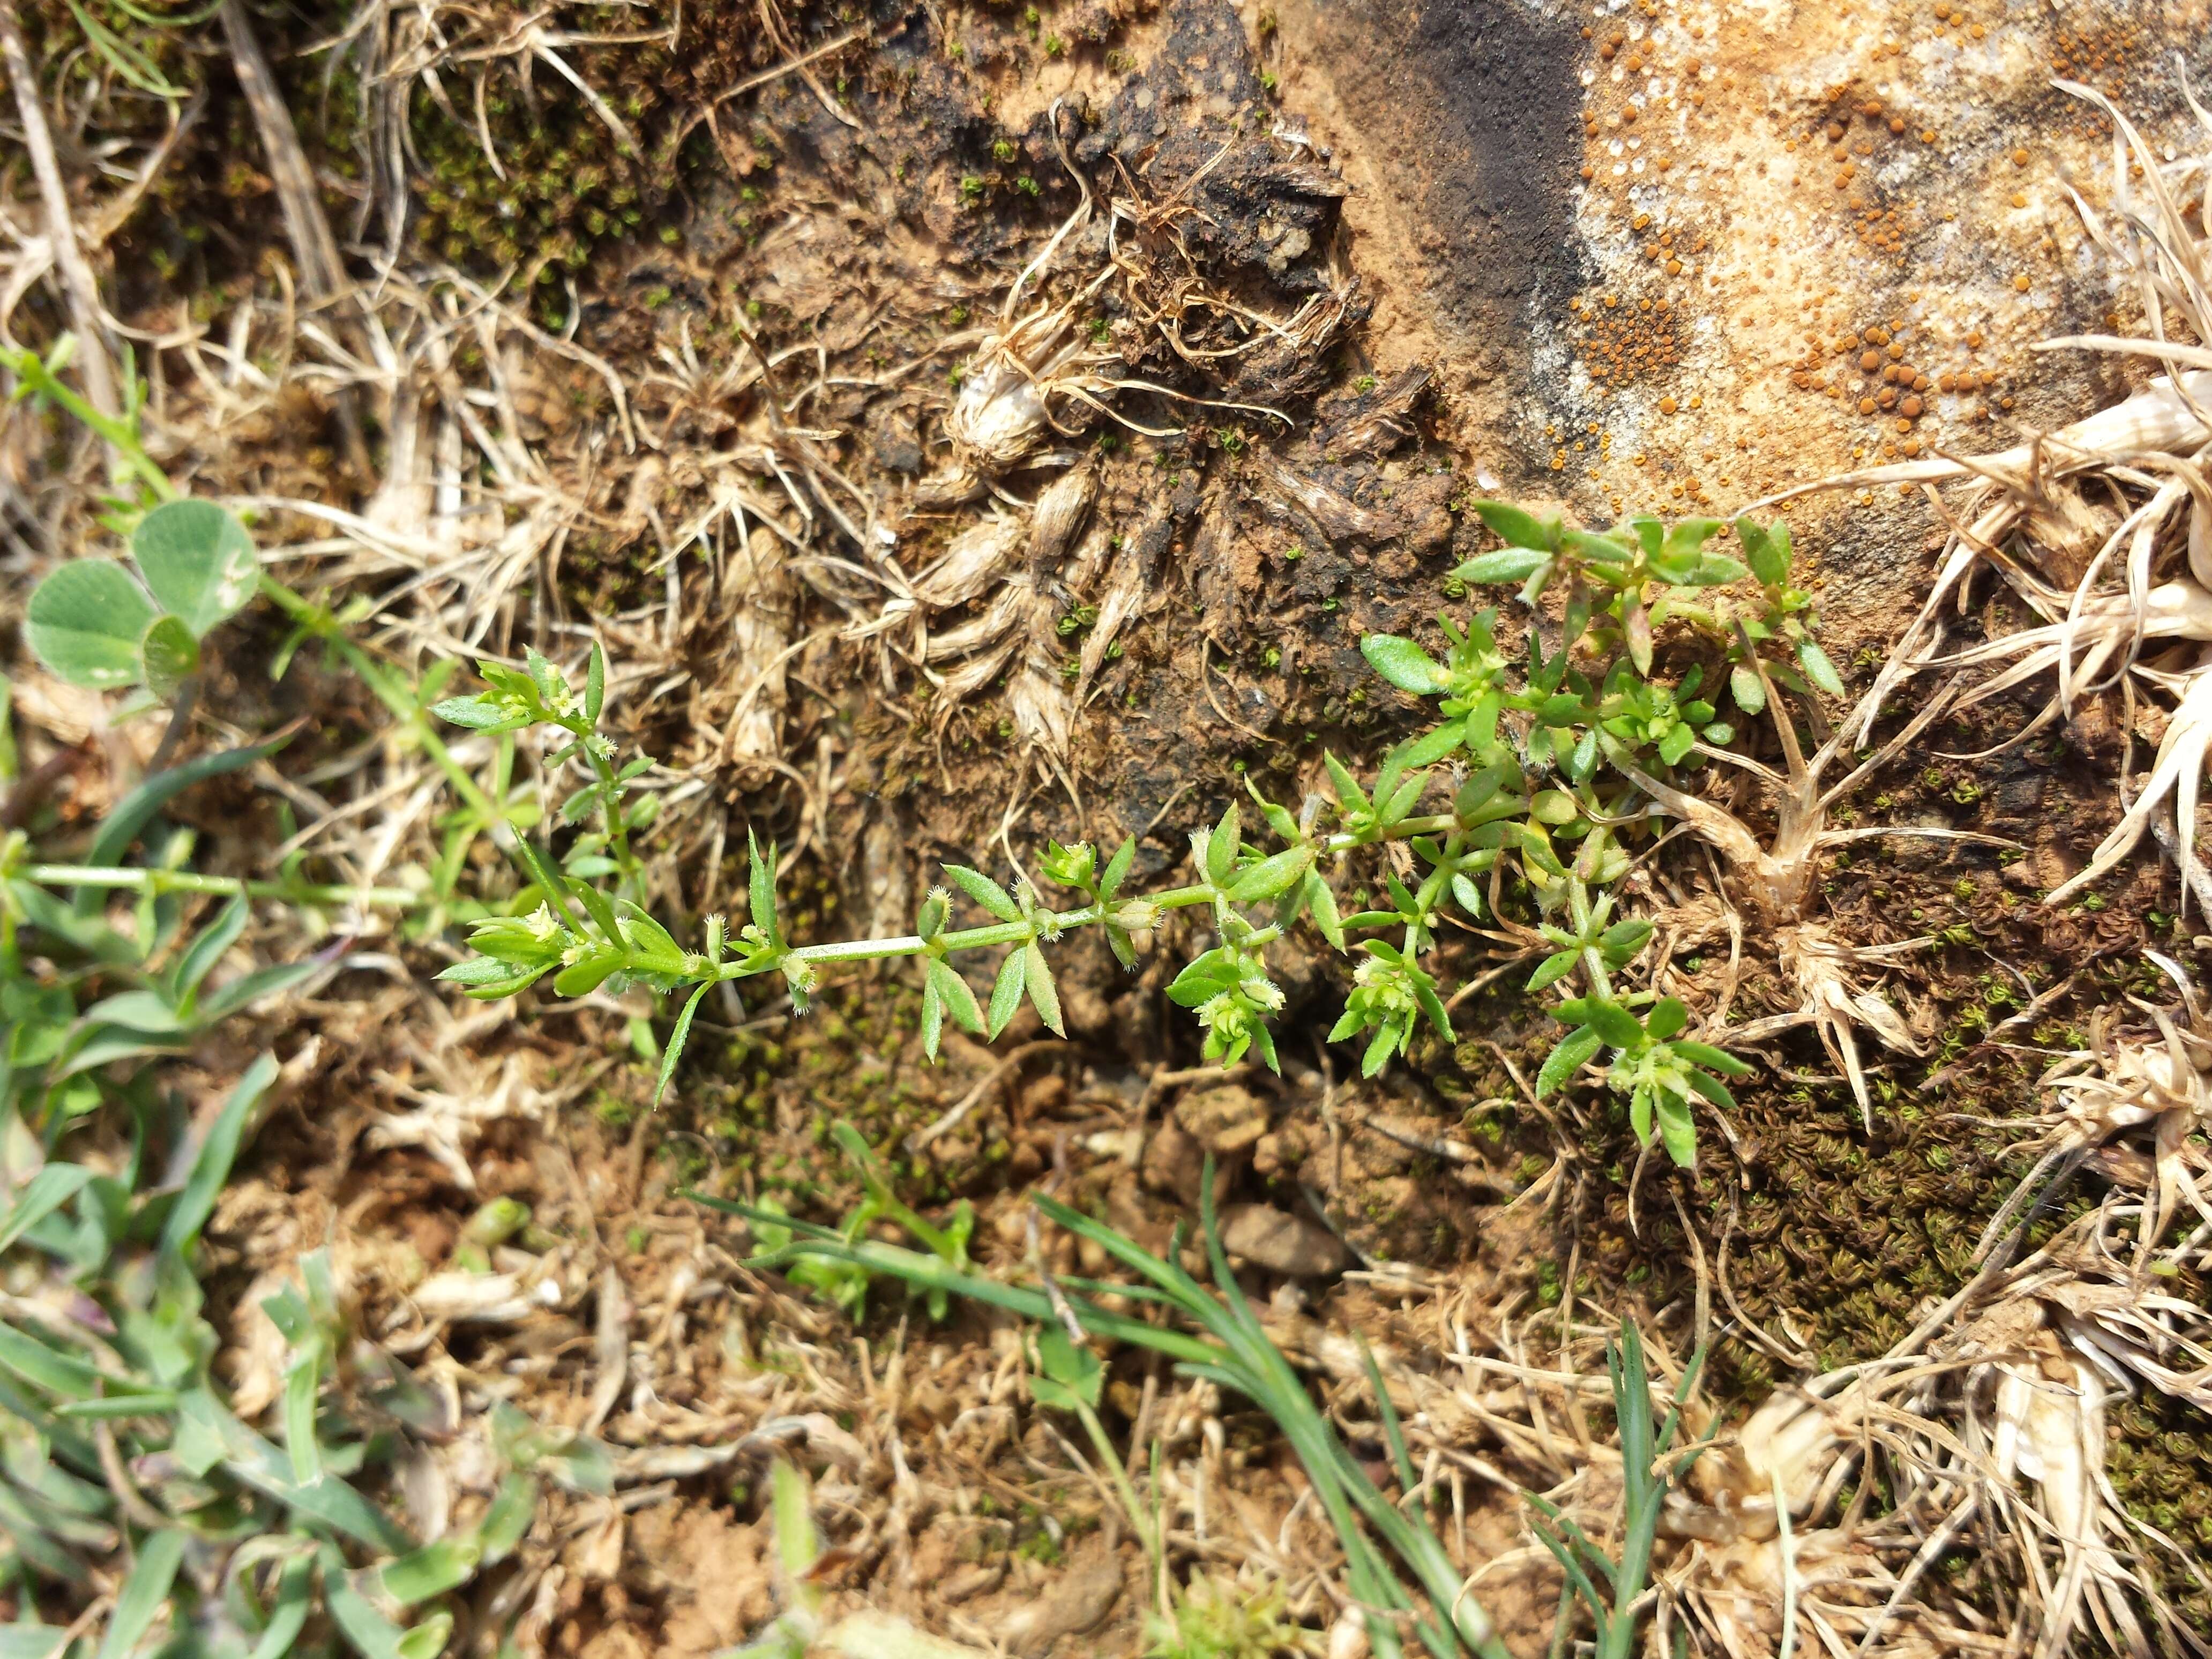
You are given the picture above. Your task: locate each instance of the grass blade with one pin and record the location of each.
(44, 1193)
(140, 1601)
(211, 1166)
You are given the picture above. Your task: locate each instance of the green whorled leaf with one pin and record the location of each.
(1321, 903)
(648, 938)
(985, 892)
(545, 676)
(1745, 687)
(1716, 570)
(1433, 746)
(595, 684)
(1602, 548)
(1553, 968)
(959, 1000)
(1468, 894)
(480, 714)
(1573, 1052)
(1555, 807)
(139, 1602)
(1622, 941)
(1818, 669)
(1637, 628)
(1788, 678)
(1689, 535)
(198, 561)
(1007, 992)
(1349, 795)
(212, 1164)
(1117, 869)
(1221, 847)
(1272, 876)
(1719, 733)
(761, 888)
(1517, 527)
(1711, 1088)
(1401, 799)
(1478, 791)
(1069, 867)
(1432, 1005)
(168, 655)
(1606, 1017)
(1582, 760)
(588, 972)
(1405, 665)
(933, 1017)
(1384, 1043)
(85, 621)
(929, 920)
(1563, 708)
(601, 909)
(1676, 744)
(1667, 1016)
(487, 981)
(1536, 849)
(1767, 549)
(1712, 1059)
(1044, 996)
(507, 1520)
(677, 1039)
(1208, 975)
(1678, 1133)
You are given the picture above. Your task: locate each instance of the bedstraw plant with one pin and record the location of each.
(1543, 768)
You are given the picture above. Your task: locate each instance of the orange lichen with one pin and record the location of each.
(1617, 348)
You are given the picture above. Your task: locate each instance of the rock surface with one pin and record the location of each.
(1282, 1243)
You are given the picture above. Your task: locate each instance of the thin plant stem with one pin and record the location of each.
(158, 882)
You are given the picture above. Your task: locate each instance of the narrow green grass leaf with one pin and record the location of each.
(138, 1603)
(253, 1460)
(211, 1165)
(40, 1196)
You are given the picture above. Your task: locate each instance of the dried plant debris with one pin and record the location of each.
(701, 378)
(2103, 528)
